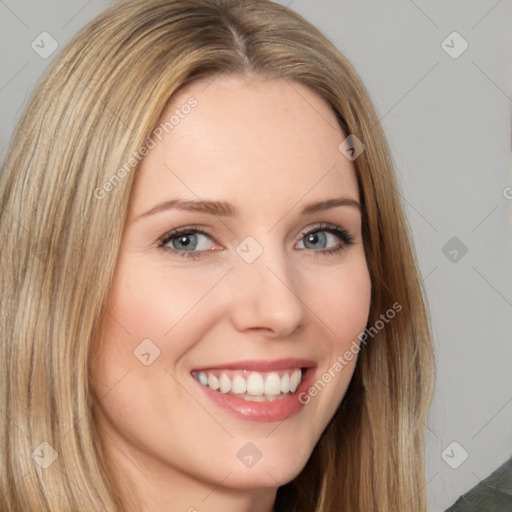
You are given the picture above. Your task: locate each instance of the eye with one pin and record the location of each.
(187, 242)
(323, 236)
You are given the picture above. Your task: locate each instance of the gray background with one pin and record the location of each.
(448, 123)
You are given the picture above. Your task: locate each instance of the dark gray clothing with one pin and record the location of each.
(493, 494)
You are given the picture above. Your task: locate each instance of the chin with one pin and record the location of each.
(254, 479)
(265, 474)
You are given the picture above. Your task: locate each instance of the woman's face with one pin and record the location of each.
(241, 268)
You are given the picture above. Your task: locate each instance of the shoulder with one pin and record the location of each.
(493, 494)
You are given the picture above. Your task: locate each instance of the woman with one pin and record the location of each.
(258, 372)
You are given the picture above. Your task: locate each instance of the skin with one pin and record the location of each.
(269, 147)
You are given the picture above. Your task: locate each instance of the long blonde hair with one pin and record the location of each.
(89, 116)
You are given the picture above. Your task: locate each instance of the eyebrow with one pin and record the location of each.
(224, 209)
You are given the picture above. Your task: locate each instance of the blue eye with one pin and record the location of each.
(191, 242)
(317, 236)
(186, 242)
(324, 236)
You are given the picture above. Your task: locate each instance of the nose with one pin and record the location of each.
(267, 296)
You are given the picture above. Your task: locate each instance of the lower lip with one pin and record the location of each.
(265, 412)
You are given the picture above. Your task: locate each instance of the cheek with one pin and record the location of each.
(342, 305)
(342, 302)
(150, 301)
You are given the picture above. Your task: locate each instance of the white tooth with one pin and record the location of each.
(259, 398)
(225, 383)
(295, 380)
(213, 382)
(203, 379)
(255, 384)
(285, 383)
(272, 384)
(239, 384)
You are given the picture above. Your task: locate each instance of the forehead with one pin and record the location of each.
(254, 141)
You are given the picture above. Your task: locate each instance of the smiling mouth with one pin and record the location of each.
(251, 385)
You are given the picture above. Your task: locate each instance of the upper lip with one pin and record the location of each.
(260, 365)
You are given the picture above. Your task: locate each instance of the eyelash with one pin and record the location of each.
(343, 234)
